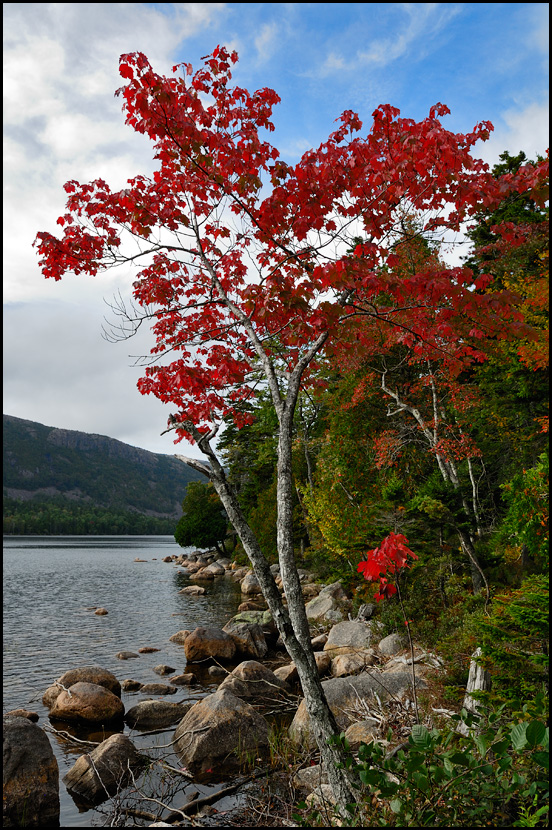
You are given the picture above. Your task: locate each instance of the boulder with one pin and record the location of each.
(50, 695)
(30, 775)
(158, 689)
(193, 590)
(180, 637)
(203, 573)
(251, 679)
(147, 650)
(192, 567)
(323, 661)
(262, 618)
(85, 674)
(310, 589)
(182, 679)
(126, 655)
(250, 585)
(321, 798)
(155, 714)
(204, 643)
(217, 673)
(319, 607)
(320, 641)
(342, 693)
(310, 777)
(163, 669)
(216, 569)
(131, 685)
(349, 636)
(249, 605)
(353, 662)
(23, 713)
(92, 674)
(216, 727)
(290, 675)
(87, 702)
(101, 612)
(392, 644)
(363, 732)
(104, 771)
(334, 590)
(248, 637)
(239, 573)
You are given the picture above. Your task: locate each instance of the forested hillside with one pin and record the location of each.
(64, 481)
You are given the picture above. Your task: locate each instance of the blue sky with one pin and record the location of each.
(485, 61)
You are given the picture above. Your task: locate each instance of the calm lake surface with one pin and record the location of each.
(52, 585)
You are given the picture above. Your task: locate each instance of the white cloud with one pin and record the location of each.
(526, 128)
(420, 24)
(59, 371)
(62, 122)
(266, 41)
(540, 34)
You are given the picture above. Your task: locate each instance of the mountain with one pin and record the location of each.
(65, 466)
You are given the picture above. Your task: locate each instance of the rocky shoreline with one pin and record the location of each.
(362, 674)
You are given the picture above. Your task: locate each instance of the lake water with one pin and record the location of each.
(52, 584)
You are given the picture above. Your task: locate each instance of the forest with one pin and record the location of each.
(386, 444)
(364, 406)
(59, 516)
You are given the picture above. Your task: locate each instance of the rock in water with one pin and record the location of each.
(155, 714)
(105, 770)
(84, 674)
(30, 776)
(216, 727)
(87, 702)
(209, 642)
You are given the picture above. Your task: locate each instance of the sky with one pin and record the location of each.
(485, 61)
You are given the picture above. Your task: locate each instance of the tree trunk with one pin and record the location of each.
(292, 622)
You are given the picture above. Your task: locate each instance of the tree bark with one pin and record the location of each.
(292, 622)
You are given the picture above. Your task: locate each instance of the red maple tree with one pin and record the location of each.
(386, 561)
(248, 267)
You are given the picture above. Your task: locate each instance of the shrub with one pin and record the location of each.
(496, 776)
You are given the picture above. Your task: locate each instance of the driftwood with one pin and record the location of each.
(191, 806)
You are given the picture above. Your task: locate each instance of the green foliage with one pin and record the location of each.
(526, 522)
(497, 776)
(262, 519)
(514, 640)
(204, 523)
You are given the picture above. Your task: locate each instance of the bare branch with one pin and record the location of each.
(200, 466)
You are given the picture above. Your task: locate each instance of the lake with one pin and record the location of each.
(51, 586)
